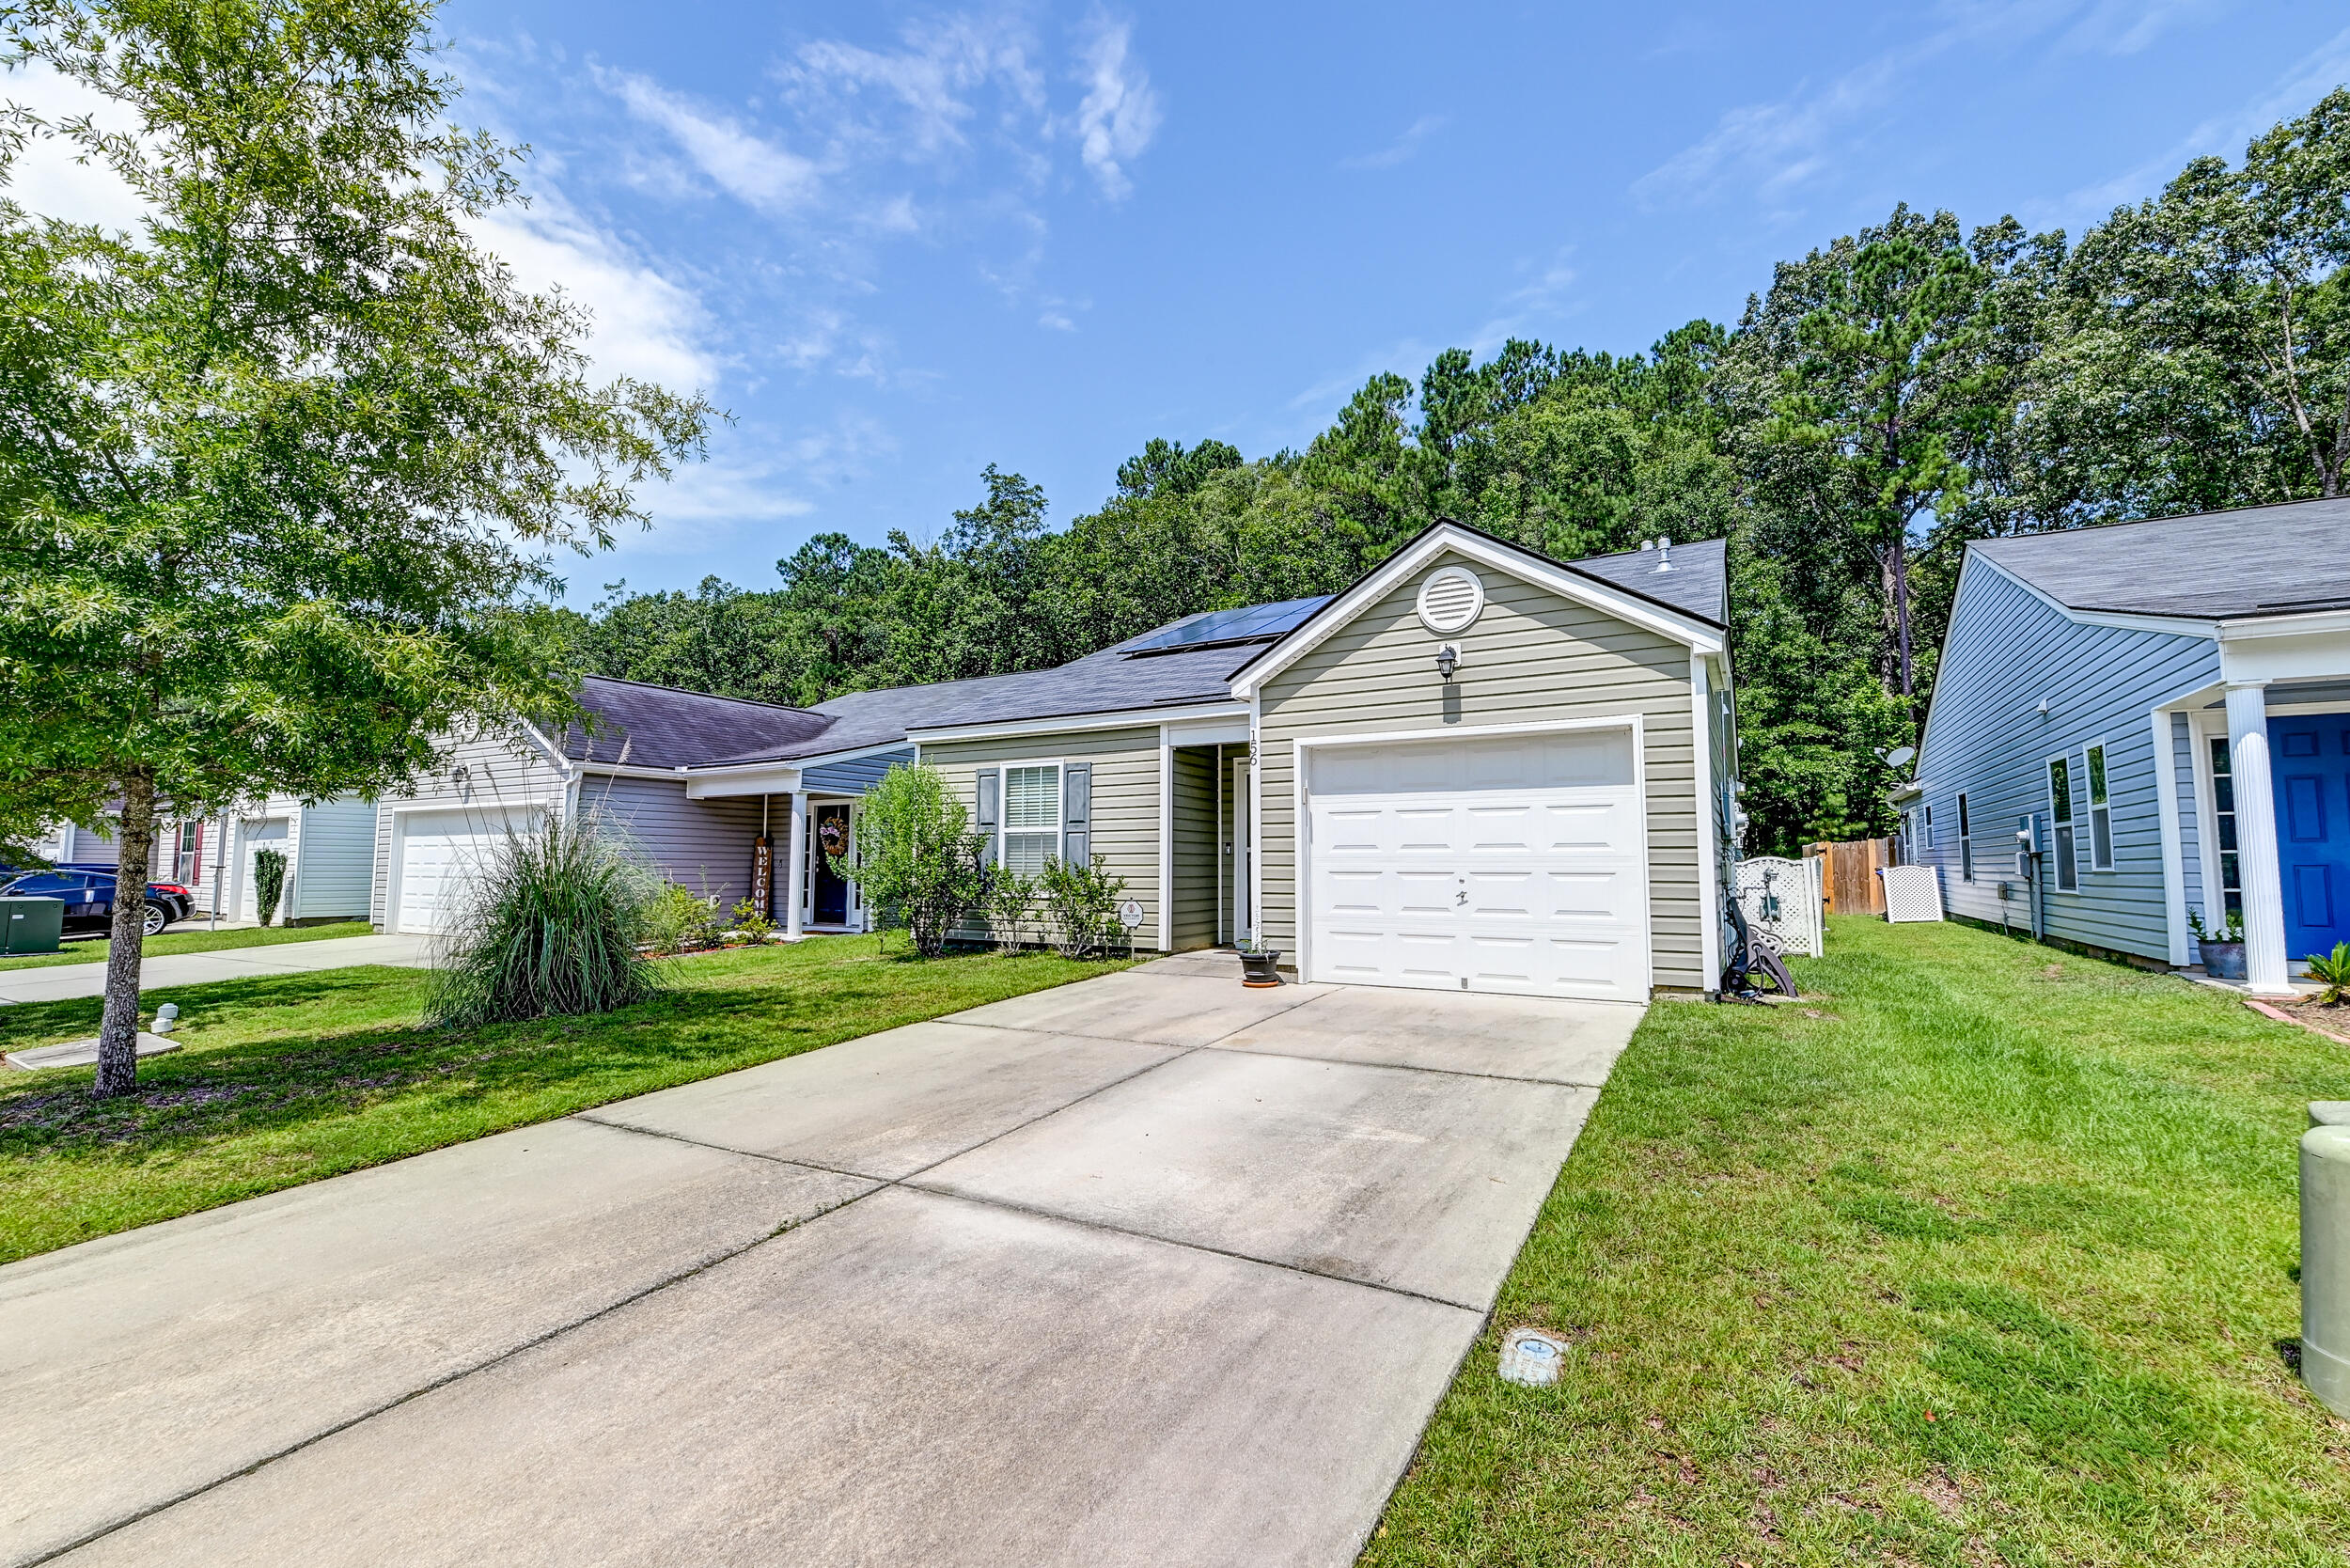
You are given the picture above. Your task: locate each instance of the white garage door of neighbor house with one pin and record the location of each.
(1507, 863)
(440, 853)
(264, 833)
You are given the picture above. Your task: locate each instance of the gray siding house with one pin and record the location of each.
(1476, 769)
(2155, 717)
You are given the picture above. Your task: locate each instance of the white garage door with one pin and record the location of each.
(1507, 863)
(440, 853)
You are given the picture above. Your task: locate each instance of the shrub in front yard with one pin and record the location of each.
(1083, 902)
(551, 927)
(269, 884)
(680, 921)
(916, 856)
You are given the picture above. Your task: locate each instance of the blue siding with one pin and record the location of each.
(2008, 650)
(854, 778)
(701, 844)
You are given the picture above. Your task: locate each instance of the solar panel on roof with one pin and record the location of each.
(1248, 624)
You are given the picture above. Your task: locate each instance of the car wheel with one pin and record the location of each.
(157, 918)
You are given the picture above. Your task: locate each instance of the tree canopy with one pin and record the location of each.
(276, 466)
(1890, 396)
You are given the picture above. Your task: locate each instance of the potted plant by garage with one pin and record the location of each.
(2223, 949)
(1259, 966)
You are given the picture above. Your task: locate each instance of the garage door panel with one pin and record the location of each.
(440, 855)
(1520, 884)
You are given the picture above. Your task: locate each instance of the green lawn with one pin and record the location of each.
(1987, 1257)
(93, 950)
(289, 1078)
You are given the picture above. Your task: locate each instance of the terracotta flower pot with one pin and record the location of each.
(1260, 968)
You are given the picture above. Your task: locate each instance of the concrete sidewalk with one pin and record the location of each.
(1150, 1270)
(61, 981)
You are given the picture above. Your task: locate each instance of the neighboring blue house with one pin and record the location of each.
(2164, 708)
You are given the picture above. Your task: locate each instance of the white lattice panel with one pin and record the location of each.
(1781, 900)
(1912, 893)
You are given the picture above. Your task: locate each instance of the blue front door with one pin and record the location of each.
(2310, 760)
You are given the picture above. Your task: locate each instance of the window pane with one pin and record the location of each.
(2101, 838)
(2220, 756)
(1032, 798)
(1962, 828)
(1025, 853)
(2097, 776)
(1967, 859)
(2060, 788)
(2067, 868)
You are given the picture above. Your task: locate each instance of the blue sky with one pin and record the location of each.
(902, 242)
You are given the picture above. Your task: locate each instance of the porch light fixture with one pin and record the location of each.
(1447, 660)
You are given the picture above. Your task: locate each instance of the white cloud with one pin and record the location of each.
(1120, 113)
(2318, 73)
(763, 174)
(645, 326)
(1774, 147)
(1401, 148)
(930, 80)
(46, 179)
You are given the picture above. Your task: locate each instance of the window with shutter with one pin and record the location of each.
(1032, 817)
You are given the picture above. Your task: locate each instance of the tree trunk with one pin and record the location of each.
(1900, 609)
(118, 1035)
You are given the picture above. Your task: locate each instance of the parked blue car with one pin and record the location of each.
(89, 898)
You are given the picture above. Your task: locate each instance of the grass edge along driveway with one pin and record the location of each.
(286, 1079)
(93, 950)
(1985, 1254)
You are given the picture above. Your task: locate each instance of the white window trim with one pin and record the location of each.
(2103, 747)
(1965, 815)
(2060, 827)
(1003, 805)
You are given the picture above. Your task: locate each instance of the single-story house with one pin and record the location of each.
(2158, 712)
(1476, 769)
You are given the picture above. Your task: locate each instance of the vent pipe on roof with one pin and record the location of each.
(1664, 554)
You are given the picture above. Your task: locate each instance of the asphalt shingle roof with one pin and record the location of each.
(1698, 585)
(668, 728)
(2285, 560)
(664, 727)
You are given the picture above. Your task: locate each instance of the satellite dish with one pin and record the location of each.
(1900, 756)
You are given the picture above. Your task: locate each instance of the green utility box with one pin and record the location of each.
(31, 925)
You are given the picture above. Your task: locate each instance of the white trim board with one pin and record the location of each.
(1390, 575)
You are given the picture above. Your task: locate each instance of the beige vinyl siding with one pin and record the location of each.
(1126, 822)
(1532, 655)
(501, 773)
(1195, 847)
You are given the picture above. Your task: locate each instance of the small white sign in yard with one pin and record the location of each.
(1130, 913)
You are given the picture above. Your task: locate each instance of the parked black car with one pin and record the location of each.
(89, 898)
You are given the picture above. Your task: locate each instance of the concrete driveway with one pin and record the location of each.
(57, 983)
(1150, 1270)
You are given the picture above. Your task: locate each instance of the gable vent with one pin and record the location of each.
(1450, 599)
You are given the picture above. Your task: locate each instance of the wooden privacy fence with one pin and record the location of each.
(1850, 879)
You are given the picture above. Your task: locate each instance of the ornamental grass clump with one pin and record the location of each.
(550, 928)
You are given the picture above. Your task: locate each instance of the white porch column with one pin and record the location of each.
(795, 872)
(2264, 957)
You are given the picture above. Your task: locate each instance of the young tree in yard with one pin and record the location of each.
(916, 856)
(272, 469)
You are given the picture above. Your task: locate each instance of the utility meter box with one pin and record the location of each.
(31, 925)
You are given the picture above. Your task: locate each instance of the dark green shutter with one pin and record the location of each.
(1077, 819)
(991, 790)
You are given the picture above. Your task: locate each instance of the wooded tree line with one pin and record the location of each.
(1888, 398)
